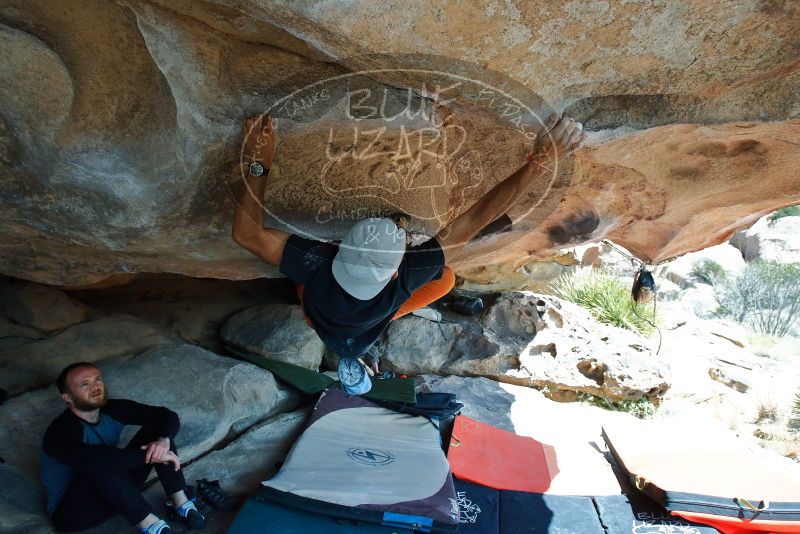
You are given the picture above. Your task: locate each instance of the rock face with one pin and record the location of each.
(535, 341)
(41, 307)
(38, 363)
(682, 271)
(21, 503)
(13, 335)
(191, 309)
(539, 275)
(736, 382)
(573, 354)
(701, 301)
(418, 346)
(275, 331)
(578, 53)
(675, 178)
(253, 457)
(116, 147)
(772, 240)
(9, 329)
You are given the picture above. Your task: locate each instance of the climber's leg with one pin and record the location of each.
(430, 292)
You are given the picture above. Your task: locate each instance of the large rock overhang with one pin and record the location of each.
(116, 146)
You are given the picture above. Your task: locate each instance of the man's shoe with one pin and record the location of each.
(189, 515)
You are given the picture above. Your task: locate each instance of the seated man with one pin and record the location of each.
(351, 292)
(88, 478)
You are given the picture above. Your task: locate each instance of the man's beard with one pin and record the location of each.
(91, 404)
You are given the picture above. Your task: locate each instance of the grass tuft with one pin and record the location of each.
(789, 211)
(709, 272)
(641, 408)
(606, 298)
(767, 411)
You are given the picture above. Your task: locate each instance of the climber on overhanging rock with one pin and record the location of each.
(351, 292)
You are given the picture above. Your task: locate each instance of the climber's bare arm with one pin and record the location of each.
(564, 137)
(248, 219)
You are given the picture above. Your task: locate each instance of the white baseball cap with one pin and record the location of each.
(368, 257)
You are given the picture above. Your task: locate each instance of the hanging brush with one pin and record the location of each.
(643, 289)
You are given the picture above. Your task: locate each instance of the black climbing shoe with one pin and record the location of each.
(214, 495)
(188, 514)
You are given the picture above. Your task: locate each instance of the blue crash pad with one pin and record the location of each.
(260, 517)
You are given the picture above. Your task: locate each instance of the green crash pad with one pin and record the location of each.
(313, 383)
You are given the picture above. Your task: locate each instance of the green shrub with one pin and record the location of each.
(708, 271)
(789, 211)
(766, 296)
(606, 298)
(642, 408)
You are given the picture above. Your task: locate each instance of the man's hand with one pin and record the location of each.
(259, 140)
(171, 458)
(559, 138)
(156, 451)
(555, 139)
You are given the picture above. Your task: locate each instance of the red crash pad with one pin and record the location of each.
(488, 456)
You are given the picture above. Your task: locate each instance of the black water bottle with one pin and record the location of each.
(467, 305)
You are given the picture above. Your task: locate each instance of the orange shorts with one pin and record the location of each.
(430, 292)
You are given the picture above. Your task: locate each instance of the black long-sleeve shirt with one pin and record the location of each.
(350, 326)
(71, 444)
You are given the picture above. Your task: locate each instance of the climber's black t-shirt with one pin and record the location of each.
(347, 325)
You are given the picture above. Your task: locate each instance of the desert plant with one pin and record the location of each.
(606, 298)
(767, 411)
(766, 296)
(641, 408)
(789, 211)
(709, 271)
(794, 421)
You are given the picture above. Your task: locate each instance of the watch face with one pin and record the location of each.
(256, 169)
